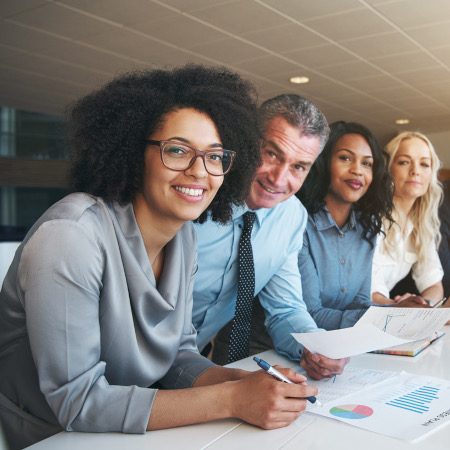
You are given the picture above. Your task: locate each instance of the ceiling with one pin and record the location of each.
(371, 61)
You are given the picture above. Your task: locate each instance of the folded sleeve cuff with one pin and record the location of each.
(138, 411)
(187, 367)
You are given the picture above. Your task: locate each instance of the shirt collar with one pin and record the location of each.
(261, 213)
(127, 220)
(323, 220)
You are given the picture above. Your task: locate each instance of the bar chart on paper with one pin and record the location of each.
(417, 400)
(405, 406)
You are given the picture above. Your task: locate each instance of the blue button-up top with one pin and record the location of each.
(335, 265)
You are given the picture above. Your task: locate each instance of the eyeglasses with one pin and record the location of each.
(177, 156)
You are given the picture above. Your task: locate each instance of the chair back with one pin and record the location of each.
(7, 251)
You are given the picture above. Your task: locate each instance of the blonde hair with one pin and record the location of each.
(424, 213)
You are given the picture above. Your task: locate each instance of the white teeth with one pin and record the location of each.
(190, 191)
(267, 189)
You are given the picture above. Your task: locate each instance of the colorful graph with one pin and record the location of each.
(351, 411)
(416, 401)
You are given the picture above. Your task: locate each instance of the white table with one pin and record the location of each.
(308, 432)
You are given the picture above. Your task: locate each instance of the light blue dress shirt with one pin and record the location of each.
(276, 240)
(335, 265)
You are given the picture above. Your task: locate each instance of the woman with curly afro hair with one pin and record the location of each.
(95, 311)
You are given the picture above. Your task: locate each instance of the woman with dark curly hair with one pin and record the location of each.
(347, 194)
(95, 311)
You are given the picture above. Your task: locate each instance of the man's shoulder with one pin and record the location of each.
(290, 213)
(292, 203)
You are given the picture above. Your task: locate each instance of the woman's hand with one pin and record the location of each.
(413, 301)
(318, 366)
(262, 400)
(400, 298)
(256, 398)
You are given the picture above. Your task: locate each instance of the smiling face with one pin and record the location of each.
(351, 170)
(287, 157)
(411, 169)
(179, 196)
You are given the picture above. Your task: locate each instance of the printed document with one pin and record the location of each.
(405, 406)
(406, 323)
(379, 328)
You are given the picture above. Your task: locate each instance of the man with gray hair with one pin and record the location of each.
(256, 253)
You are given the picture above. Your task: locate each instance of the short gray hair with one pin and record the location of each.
(298, 112)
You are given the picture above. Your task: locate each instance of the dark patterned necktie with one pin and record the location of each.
(240, 329)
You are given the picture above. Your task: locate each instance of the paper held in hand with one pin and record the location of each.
(378, 328)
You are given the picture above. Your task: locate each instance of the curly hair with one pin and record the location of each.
(109, 128)
(424, 213)
(375, 204)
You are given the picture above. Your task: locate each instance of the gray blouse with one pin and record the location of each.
(85, 330)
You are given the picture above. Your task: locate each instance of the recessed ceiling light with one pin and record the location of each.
(299, 80)
(402, 121)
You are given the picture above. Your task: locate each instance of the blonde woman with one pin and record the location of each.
(412, 241)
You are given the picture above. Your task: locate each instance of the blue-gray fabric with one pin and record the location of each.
(276, 241)
(85, 330)
(335, 265)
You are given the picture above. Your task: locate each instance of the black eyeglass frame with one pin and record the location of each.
(198, 154)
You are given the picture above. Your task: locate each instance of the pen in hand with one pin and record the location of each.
(439, 303)
(279, 376)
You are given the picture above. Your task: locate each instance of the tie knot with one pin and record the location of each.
(249, 219)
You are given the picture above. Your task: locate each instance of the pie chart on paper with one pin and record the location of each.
(351, 411)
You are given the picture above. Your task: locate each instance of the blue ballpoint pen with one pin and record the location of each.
(279, 376)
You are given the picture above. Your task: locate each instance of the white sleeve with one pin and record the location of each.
(379, 267)
(429, 272)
